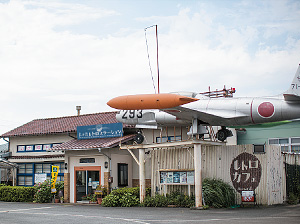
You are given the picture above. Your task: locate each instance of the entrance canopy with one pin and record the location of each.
(81, 144)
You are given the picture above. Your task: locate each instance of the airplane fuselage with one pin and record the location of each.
(217, 112)
(240, 111)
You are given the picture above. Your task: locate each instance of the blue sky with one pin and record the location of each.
(57, 54)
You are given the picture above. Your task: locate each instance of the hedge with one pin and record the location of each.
(124, 197)
(16, 193)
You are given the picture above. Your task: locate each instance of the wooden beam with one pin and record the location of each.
(132, 154)
(171, 144)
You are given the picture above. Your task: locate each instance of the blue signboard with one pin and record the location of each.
(100, 131)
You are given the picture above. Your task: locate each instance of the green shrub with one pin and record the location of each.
(59, 185)
(293, 199)
(174, 198)
(111, 201)
(129, 200)
(16, 193)
(156, 201)
(43, 191)
(124, 197)
(217, 193)
(122, 191)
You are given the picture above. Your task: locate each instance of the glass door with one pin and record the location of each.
(93, 181)
(87, 180)
(80, 184)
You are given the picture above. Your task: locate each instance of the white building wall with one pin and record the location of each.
(35, 140)
(117, 156)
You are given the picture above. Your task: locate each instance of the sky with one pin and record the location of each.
(57, 54)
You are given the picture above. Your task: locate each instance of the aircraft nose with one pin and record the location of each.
(116, 102)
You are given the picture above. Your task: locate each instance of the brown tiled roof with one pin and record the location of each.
(92, 143)
(62, 124)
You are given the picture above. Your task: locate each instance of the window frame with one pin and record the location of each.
(289, 145)
(27, 148)
(125, 180)
(32, 174)
(172, 138)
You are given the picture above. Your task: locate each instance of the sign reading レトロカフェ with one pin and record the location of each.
(245, 172)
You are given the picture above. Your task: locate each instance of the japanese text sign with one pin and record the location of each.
(245, 172)
(100, 131)
(54, 174)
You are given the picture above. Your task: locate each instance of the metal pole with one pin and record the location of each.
(198, 176)
(142, 175)
(13, 176)
(157, 60)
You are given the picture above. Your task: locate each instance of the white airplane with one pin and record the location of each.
(194, 109)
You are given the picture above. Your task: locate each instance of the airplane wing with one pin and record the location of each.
(211, 117)
(291, 98)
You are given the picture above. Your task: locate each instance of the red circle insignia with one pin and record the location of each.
(266, 109)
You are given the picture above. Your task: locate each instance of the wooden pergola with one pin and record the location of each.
(196, 143)
(5, 164)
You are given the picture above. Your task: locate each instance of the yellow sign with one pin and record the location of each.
(54, 174)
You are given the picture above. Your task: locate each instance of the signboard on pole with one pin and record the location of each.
(100, 131)
(54, 174)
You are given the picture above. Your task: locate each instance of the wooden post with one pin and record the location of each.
(198, 176)
(142, 175)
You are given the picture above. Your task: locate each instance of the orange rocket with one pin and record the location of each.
(149, 101)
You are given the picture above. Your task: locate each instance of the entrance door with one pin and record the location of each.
(87, 180)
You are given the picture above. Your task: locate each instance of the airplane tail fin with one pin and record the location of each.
(293, 93)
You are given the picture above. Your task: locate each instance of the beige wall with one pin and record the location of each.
(34, 140)
(117, 158)
(116, 155)
(216, 163)
(73, 158)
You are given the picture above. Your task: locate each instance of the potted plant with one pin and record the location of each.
(100, 192)
(56, 199)
(84, 198)
(92, 198)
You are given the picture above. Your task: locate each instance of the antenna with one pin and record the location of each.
(156, 57)
(157, 60)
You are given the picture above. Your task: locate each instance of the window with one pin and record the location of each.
(25, 168)
(168, 139)
(25, 180)
(122, 174)
(26, 172)
(259, 148)
(87, 160)
(35, 148)
(291, 145)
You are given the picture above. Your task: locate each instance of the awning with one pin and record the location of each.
(76, 144)
(6, 164)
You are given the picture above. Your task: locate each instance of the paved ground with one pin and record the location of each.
(12, 212)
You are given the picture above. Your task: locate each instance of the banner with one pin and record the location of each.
(54, 174)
